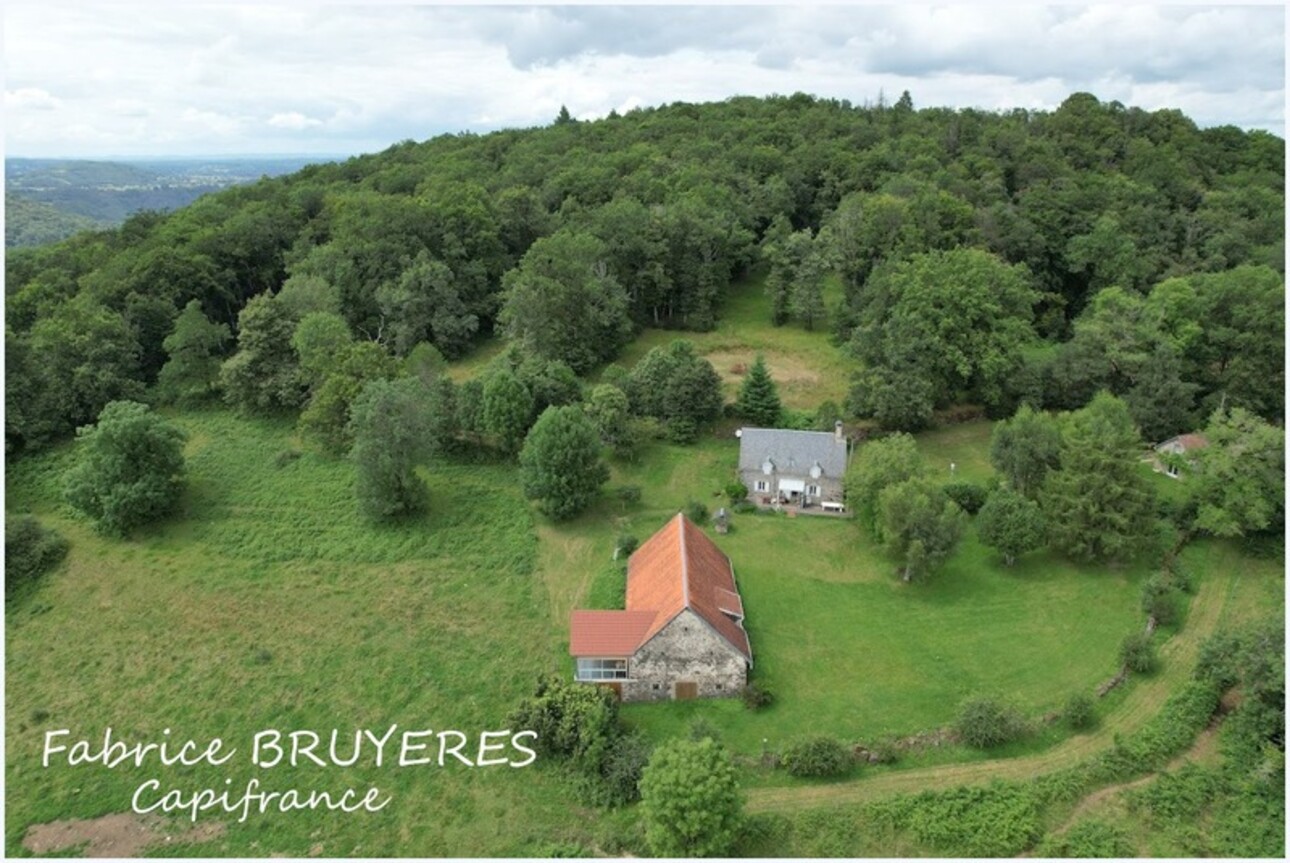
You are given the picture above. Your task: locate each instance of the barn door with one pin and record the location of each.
(686, 689)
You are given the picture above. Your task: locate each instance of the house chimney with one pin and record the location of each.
(837, 431)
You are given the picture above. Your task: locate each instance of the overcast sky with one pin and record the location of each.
(97, 79)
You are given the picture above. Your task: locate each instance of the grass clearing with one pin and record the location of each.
(807, 367)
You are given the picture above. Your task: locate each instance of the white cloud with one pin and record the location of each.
(293, 120)
(30, 99)
(203, 79)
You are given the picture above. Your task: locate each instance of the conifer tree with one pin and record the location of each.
(758, 400)
(1098, 504)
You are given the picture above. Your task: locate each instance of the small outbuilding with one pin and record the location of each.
(681, 634)
(1173, 454)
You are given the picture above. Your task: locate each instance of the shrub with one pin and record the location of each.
(816, 757)
(30, 550)
(1159, 599)
(968, 495)
(285, 457)
(1079, 712)
(985, 722)
(1138, 653)
(703, 729)
(572, 721)
(744, 507)
(628, 494)
(618, 782)
(755, 697)
(1219, 659)
(624, 546)
(697, 511)
(1089, 838)
(682, 430)
(736, 492)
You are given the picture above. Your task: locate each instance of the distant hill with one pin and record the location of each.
(50, 199)
(35, 223)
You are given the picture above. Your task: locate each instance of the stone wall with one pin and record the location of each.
(687, 649)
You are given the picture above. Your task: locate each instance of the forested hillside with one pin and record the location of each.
(984, 258)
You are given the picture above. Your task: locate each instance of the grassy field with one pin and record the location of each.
(268, 604)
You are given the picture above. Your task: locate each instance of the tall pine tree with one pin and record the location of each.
(758, 400)
(1098, 504)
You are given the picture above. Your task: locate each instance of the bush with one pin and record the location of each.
(1138, 653)
(1220, 659)
(968, 495)
(285, 457)
(736, 492)
(986, 722)
(744, 507)
(1079, 712)
(682, 430)
(816, 757)
(755, 697)
(697, 511)
(1090, 838)
(30, 550)
(624, 546)
(1159, 599)
(619, 780)
(628, 494)
(572, 721)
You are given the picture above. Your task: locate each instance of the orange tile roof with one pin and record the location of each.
(610, 634)
(677, 568)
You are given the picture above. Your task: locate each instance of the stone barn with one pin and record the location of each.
(681, 634)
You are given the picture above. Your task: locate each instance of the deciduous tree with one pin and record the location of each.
(560, 464)
(1010, 523)
(129, 468)
(393, 433)
(920, 525)
(690, 799)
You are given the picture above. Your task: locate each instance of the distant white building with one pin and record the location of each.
(782, 467)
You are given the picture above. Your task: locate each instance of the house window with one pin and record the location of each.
(602, 669)
(813, 490)
(761, 485)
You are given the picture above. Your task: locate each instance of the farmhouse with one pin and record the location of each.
(681, 634)
(1172, 454)
(801, 469)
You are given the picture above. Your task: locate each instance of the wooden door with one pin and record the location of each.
(686, 689)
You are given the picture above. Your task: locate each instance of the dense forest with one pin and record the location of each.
(985, 258)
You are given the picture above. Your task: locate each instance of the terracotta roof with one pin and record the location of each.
(677, 568)
(608, 633)
(1186, 442)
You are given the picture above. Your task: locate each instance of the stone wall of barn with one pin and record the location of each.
(687, 650)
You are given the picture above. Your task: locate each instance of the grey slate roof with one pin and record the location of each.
(793, 452)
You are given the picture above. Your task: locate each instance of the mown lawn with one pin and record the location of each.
(268, 604)
(844, 646)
